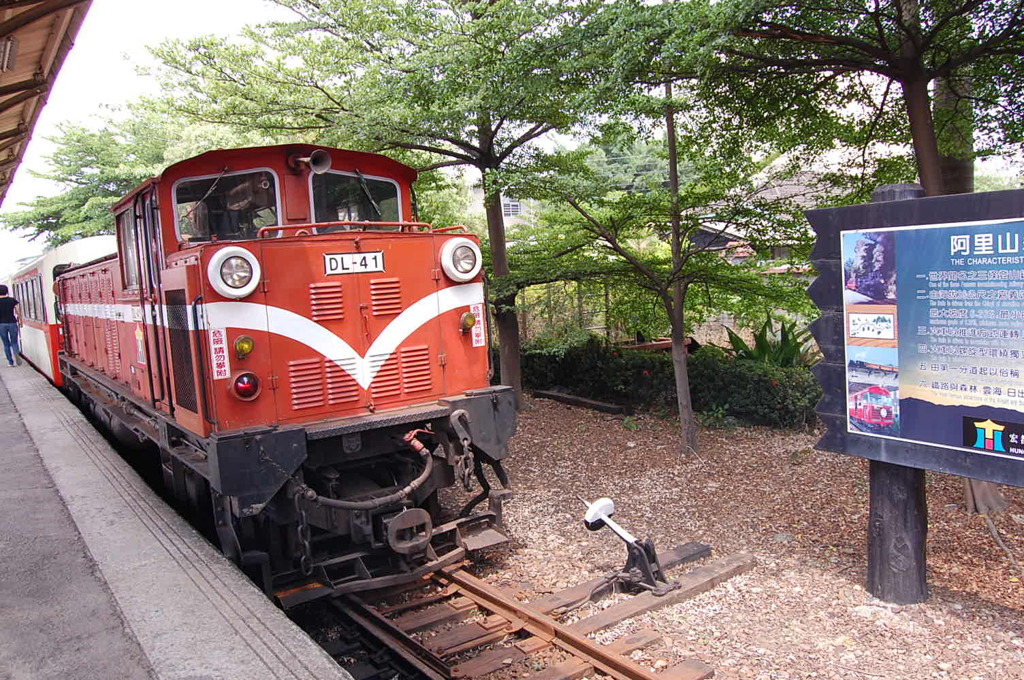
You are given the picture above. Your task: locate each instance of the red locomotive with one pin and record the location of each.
(873, 409)
(311, 363)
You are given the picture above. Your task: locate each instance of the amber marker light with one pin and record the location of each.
(244, 345)
(467, 321)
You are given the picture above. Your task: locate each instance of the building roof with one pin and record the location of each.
(35, 37)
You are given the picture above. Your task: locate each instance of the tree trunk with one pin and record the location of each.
(505, 318)
(922, 131)
(580, 321)
(954, 110)
(983, 497)
(677, 307)
(953, 117)
(914, 83)
(607, 321)
(687, 426)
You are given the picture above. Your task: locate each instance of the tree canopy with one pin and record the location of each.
(97, 167)
(847, 58)
(473, 83)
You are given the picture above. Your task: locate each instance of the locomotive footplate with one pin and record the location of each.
(373, 570)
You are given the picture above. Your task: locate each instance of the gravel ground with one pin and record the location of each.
(803, 612)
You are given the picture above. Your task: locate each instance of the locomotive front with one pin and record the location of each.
(321, 362)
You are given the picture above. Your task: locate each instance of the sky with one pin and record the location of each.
(873, 355)
(100, 72)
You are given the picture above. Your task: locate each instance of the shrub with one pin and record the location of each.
(751, 391)
(789, 347)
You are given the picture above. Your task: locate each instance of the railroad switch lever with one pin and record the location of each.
(642, 570)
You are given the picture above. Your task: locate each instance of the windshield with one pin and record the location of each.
(351, 198)
(226, 207)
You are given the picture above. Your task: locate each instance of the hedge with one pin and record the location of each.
(750, 391)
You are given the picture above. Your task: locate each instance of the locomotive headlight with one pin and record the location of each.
(464, 259)
(460, 259)
(467, 321)
(234, 272)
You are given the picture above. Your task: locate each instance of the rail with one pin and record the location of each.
(463, 627)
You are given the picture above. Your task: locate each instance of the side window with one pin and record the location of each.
(40, 304)
(126, 238)
(30, 298)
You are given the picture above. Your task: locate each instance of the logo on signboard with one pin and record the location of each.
(988, 435)
(993, 436)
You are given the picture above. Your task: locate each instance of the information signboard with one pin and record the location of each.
(921, 321)
(933, 317)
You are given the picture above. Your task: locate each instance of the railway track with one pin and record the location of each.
(454, 625)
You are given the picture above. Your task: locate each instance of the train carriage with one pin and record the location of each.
(873, 408)
(32, 285)
(310, 362)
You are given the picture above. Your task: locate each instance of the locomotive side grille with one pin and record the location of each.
(341, 387)
(388, 382)
(326, 302)
(181, 350)
(415, 362)
(386, 296)
(306, 383)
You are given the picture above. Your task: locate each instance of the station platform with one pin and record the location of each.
(99, 578)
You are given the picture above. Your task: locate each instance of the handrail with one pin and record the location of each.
(263, 231)
(201, 362)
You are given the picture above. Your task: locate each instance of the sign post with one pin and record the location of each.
(922, 333)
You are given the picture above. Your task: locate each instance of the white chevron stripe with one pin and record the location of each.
(256, 317)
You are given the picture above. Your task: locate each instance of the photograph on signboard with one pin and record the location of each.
(873, 389)
(873, 326)
(935, 334)
(869, 267)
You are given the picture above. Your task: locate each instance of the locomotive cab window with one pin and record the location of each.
(226, 207)
(342, 197)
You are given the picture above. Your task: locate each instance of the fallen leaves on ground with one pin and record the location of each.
(803, 611)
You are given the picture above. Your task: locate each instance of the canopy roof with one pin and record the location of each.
(35, 37)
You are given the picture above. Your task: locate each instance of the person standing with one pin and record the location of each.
(9, 322)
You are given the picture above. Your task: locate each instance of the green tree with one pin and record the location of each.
(671, 240)
(828, 55)
(95, 168)
(472, 83)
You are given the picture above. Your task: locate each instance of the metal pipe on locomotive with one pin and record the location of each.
(311, 363)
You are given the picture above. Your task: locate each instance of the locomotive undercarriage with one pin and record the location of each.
(332, 508)
(391, 527)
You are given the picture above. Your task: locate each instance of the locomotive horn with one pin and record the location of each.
(319, 161)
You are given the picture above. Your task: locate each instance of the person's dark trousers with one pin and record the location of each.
(9, 336)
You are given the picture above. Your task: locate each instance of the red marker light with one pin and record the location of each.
(247, 385)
